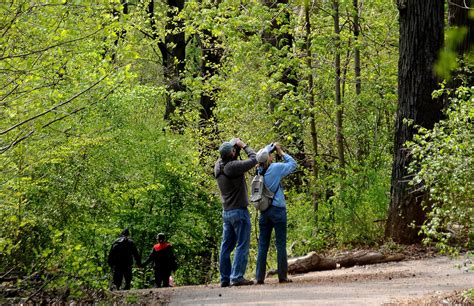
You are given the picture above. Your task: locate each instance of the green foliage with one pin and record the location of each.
(73, 201)
(443, 165)
(447, 61)
(86, 152)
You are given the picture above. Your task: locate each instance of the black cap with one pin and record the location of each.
(160, 237)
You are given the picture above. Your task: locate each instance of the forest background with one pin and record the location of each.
(112, 113)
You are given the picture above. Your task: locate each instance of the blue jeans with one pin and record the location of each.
(272, 218)
(236, 234)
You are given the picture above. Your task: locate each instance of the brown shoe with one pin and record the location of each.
(242, 282)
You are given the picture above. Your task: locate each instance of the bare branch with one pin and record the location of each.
(15, 142)
(53, 108)
(82, 108)
(49, 47)
(23, 92)
(18, 140)
(460, 6)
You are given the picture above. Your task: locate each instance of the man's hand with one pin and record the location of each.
(240, 143)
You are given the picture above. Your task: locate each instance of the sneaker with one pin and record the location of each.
(260, 282)
(225, 284)
(242, 282)
(286, 280)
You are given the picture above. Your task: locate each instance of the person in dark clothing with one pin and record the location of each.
(120, 259)
(230, 176)
(164, 261)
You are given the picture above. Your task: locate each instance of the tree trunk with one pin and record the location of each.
(173, 58)
(421, 37)
(283, 40)
(357, 47)
(314, 134)
(212, 53)
(211, 59)
(361, 140)
(120, 34)
(337, 83)
(314, 262)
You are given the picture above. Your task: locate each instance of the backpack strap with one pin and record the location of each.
(262, 171)
(221, 171)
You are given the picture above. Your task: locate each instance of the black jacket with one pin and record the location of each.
(122, 252)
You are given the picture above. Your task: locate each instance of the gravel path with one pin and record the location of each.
(414, 281)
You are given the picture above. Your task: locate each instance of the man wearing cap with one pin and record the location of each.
(120, 259)
(230, 175)
(164, 261)
(274, 217)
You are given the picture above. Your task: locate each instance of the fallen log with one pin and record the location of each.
(314, 262)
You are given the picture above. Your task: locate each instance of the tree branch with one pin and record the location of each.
(15, 142)
(460, 6)
(23, 92)
(53, 108)
(18, 140)
(49, 47)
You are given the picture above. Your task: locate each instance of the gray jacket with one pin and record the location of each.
(231, 180)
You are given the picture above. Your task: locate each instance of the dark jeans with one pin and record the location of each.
(272, 218)
(122, 272)
(162, 278)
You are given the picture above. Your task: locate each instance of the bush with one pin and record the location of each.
(443, 166)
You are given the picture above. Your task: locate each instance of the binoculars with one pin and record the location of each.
(271, 148)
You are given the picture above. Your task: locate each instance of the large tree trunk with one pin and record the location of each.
(314, 262)
(421, 37)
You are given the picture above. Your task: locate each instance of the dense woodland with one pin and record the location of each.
(111, 113)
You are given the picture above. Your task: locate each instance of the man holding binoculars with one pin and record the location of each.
(230, 175)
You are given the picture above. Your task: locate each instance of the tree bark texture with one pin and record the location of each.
(421, 38)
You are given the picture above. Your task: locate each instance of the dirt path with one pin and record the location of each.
(414, 281)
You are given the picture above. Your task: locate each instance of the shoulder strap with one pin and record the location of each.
(262, 171)
(221, 171)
